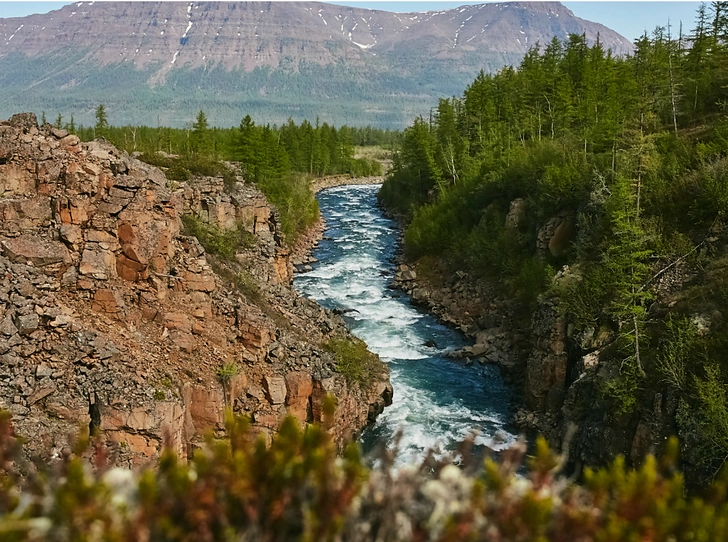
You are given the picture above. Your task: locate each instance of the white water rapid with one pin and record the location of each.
(437, 402)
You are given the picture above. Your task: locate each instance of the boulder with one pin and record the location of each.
(204, 407)
(108, 301)
(41, 251)
(97, 262)
(177, 320)
(299, 387)
(275, 389)
(41, 393)
(15, 180)
(24, 121)
(563, 235)
(516, 213)
(129, 269)
(28, 323)
(184, 341)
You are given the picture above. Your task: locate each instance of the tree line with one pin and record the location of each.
(280, 160)
(319, 149)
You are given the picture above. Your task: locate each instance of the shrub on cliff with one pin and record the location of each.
(296, 204)
(215, 240)
(354, 360)
(298, 489)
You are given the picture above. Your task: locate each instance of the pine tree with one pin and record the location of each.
(248, 147)
(626, 258)
(200, 141)
(200, 125)
(698, 65)
(102, 122)
(418, 167)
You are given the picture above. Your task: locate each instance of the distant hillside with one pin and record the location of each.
(163, 61)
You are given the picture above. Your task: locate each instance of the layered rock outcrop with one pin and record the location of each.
(113, 319)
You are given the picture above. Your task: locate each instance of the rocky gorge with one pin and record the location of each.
(113, 318)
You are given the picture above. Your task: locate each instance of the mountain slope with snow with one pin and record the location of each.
(271, 59)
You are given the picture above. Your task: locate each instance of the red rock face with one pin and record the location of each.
(109, 317)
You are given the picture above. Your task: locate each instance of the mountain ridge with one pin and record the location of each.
(246, 51)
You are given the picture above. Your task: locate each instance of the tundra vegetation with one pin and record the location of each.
(635, 151)
(297, 488)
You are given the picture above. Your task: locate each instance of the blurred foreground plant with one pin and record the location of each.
(296, 488)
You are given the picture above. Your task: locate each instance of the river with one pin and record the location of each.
(437, 402)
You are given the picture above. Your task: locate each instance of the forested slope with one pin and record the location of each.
(599, 185)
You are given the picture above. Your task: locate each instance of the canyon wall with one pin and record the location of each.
(112, 319)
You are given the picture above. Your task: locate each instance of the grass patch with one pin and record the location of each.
(354, 361)
(372, 153)
(182, 168)
(243, 281)
(223, 243)
(246, 284)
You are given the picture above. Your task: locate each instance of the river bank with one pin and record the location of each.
(486, 318)
(331, 181)
(555, 373)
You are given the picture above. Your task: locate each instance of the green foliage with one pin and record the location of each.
(612, 170)
(623, 387)
(228, 371)
(679, 345)
(177, 173)
(584, 295)
(247, 284)
(296, 488)
(295, 202)
(706, 420)
(415, 171)
(224, 243)
(102, 121)
(354, 361)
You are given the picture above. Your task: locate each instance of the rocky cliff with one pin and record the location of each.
(111, 318)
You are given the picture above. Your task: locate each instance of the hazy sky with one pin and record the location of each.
(630, 19)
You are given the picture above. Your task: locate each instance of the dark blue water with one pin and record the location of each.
(437, 402)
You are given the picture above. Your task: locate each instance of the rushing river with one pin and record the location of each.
(437, 402)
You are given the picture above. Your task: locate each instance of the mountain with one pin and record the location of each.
(163, 61)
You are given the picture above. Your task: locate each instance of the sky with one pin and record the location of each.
(631, 19)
